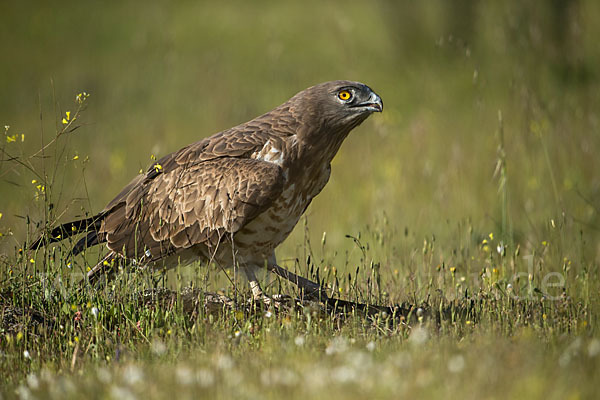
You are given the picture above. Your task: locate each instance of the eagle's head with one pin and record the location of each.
(348, 98)
(336, 105)
(330, 110)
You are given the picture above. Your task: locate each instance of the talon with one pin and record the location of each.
(276, 302)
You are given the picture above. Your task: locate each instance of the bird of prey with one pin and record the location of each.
(233, 197)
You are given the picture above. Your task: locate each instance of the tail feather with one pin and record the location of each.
(89, 240)
(61, 232)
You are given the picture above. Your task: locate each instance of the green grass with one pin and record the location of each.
(490, 224)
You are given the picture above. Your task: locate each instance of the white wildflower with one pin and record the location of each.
(158, 347)
(456, 364)
(337, 345)
(594, 348)
(23, 392)
(33, 381)
(418, 336)
(500, 249)
(360, 360)
(133, 375)
(184, 375)
(299, 341)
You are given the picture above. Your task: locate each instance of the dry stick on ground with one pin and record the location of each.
(313, 291)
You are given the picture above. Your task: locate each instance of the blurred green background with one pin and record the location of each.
(164, 74)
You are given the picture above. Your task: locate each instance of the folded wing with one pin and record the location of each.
(190, 205)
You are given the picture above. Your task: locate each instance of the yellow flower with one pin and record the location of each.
(452, 270)
(544, 243)
(81, 97)
(12, 138)
(22, 137)
(64, 121)
(75, 157)
(491, 235)
(33, 181)
(0, 215)
(68, 115)
(31, 260)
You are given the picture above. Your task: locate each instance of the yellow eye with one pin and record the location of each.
(344, 95)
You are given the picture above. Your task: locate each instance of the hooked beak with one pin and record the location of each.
(372, 104)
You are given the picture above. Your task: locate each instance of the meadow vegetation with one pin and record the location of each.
(473, 200)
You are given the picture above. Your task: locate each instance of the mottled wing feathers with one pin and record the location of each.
(239, 141)
(189, 205)
(199, 193)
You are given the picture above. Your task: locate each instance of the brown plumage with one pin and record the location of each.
(234, 196)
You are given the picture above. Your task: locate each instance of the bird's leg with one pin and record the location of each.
(276, 301)
(257, 293)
